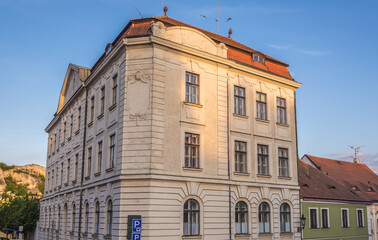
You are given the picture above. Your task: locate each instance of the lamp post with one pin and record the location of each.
(302, 223)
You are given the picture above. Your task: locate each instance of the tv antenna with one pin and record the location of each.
(139, 13)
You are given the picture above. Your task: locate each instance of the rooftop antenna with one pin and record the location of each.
(139, 13)
(356, 152)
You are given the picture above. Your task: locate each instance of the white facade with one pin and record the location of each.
(150, 119)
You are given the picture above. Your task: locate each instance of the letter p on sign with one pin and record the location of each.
(137, 225)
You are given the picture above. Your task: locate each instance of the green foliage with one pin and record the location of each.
(14, 187)
(42, 177)
(19, 211)
(21, 171)
(5, 167)
(41, 187)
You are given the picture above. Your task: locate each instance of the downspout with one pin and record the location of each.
(296, 145)
(228, 163)
(83, 157)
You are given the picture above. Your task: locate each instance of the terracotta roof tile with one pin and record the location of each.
(315, 185)
(350, 175)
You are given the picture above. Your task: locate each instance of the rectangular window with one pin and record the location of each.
(360, 218)
(114, 92)
(76, 166)
(99, 157)
(263, 159)
(191, 150)
(91, 112)
(89, 162)
(325, 223)
(55, 137)
(344, 218)
(61, 174)
(71, 126)
(59, 137)
(78, 119)
(281, 111)
(240, 157)
(64, 131)
(283, 162)
(68, 171)
(192, 88)
(102, 102)
(239, 100)
(313, 218)
(112, 151)
(261, 112)
(52, 180)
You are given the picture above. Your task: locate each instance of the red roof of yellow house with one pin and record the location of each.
(236, 51)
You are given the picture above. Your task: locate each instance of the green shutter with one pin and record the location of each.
(130, 223)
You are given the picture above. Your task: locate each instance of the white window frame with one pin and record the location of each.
(341, 215)
(317, 218)
(321, 218)
(363, 222)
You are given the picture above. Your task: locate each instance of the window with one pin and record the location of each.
(313, 218)
(89, 163)
(76, 166)
(261, 106)
(191, 217)
(64, 131)
(64, 218)
(97, 218)
(55, 137)
(68, 171)
(102, 102)
(52, 179)
(239, 100)
(258, 58)
(191, 150)
(109, 217)
(99, 156)
(59, 137)
(325, 215)
(264, 218)
(285, 218)
(344, 218)
(192, 88)
(360, 218)
(240, 156)
(78, 119)
(262, 159)
(283, 162)
(86, 219)
(281, 110)
(58, 220)
(91, 112)
(114, 92)
(241, 218)
(73, 217)
(71, 126)
(61, 174)
(112, 151)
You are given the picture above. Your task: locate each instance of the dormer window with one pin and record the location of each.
(370, 189)
(108, 48)
(258, 58)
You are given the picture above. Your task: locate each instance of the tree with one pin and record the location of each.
(19, 211)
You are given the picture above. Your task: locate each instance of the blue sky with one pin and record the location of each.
(331, 47)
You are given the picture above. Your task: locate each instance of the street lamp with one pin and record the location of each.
(302, 223)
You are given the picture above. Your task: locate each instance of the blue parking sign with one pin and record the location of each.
(137, 226)
(135, 236)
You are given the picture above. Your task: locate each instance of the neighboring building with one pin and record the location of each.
(331, 210)
(191, 131)
(355, 176)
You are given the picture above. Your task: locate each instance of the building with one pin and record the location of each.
(355, 176)
(332, 211)
(193, 132)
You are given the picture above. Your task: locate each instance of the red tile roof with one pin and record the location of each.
(315, 185)
(351, 175)
(236, 51)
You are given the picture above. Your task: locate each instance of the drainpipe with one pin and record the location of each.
(83, 157)
(228, 164)
(296, 145)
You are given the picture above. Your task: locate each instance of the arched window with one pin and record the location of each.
(51, 221)
(264, 218)
(285, 218)
(64, 218)
(97, 217)
(58, 221)
(191, 217)
(73, 217)
(45, 218)
(109, 218)
(241, 218)
(86, 223)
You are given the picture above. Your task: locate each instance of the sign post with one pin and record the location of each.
(136, 229)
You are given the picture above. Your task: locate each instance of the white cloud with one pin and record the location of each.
(280, 47)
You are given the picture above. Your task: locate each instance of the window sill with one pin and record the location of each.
(65, 184)
(100, 116)
(284, 178)
(90, 124)
(72, 233)
(110, 169)
(62, 144)
(77, 132)
(326, 228)
(193, 104)
(282, 124)
(68, 139)
(240, 116)
(87, 177)
(242, 236)
(266, 234)
(112, 106)
(286, 233)
(95, 235)
(192, 237)
(264, 176)
(188, 169)
(107, 236)
(84, 234)
(262, 120)
(241, 173)
(73, 181)
(97, 174)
